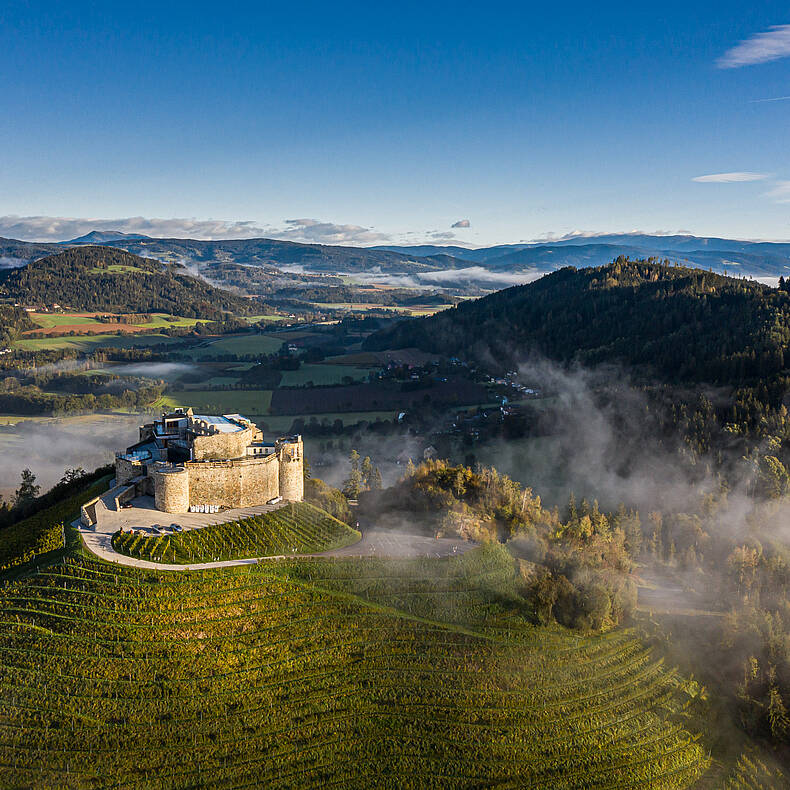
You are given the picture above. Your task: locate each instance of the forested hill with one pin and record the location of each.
(104, 278)
(685, 324)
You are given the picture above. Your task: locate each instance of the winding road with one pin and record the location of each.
(391, 544)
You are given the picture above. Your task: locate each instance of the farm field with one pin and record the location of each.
(247, 402)
(375, 396)
(90, 343)
(296, 528)
(282, 423)
(241, 345)
(364, 307)
(309, 673)
(269, 319)
(322, 374)
(55, 323)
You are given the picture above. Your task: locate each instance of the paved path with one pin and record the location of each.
(374, 543)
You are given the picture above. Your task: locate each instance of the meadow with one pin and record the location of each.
(247, 402)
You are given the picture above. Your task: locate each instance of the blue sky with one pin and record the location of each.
(374, 123)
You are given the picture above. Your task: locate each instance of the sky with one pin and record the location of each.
(374, 123)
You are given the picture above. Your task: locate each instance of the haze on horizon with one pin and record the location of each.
(364, 125)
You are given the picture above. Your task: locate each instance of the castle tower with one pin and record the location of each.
(171, 489)
(290, 454)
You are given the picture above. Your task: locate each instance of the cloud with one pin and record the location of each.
(42, 228)
(773, 44)
(318, 232)
(551, 237)
(730, 178)
(774, 98)
(462, 223)
(780, 192)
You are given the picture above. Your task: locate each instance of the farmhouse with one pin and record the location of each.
(194, 462)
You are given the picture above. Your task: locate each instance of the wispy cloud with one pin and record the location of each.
(780, 193)
(730, 178)
(773, 44)
(41, 228)
(774, 98)
(462, 223)
(318, 232)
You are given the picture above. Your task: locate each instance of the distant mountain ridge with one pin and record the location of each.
(755, 259)
(105, 237)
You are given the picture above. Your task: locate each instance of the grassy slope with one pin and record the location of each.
(302, 675)
(296, 528)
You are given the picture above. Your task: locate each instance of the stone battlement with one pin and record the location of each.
(192, 461)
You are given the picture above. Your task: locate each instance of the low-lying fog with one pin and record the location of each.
(47, 447)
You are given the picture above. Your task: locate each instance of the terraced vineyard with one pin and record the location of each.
(302, 674)
(298, 528)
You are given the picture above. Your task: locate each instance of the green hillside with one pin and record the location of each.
(296, 528)
(265, 676)
(684, 324)
(108, 279)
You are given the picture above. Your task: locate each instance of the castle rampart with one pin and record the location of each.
(189, 461)
(171, 489)
(290, 453)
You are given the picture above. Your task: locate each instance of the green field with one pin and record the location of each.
(157, 320)
(293, 529)
(321, 374)
(245, 402)
(47, 320)
(269, 319)
(90, 343)
(308, 674)
(240, 345)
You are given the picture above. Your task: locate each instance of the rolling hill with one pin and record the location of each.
(684, 324)
(95, 278)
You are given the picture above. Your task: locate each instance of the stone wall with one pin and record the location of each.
(125, 470)
(235, 483)
(222, 445)
(291, 461)
(171, 489)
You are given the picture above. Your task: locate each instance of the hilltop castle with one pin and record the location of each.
(190, 462)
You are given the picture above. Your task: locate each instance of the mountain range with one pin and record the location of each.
(753, 259)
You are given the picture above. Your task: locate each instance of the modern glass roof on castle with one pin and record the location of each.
(222, 424)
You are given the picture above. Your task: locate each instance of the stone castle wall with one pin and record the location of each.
(222, 445)
(291, 462)
(171, 489)
(125, 470)
(237, 483)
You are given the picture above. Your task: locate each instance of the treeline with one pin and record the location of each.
(577, 565)
(350, 294)
(13, 321)
(107, 279)
(30, 400)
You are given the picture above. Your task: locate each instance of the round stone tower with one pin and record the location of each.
(171, 489)
(290, 454)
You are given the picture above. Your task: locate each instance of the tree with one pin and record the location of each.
(353, 484)
(72, 475)
(28, 490)
(375, 482)
(367, 471)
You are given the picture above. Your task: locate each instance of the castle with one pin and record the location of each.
(191, 462)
